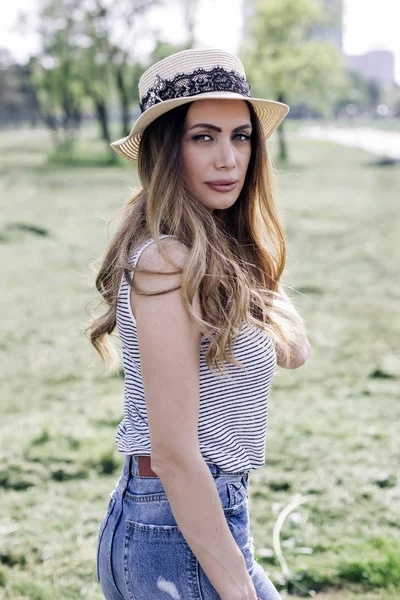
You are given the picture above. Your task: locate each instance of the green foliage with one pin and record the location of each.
(87, 63)
(163, 49)
(60, 93)
(285, 57)
(356, 92)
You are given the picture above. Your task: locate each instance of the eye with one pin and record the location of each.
(201, 137)
(243, 137)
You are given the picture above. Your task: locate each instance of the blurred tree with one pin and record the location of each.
(286, 59)
(94, 74)
(88, 50)
(53, 71)
(163, 49)
(374, 92)
(18, 100)
(116, 29)
(391, 97)
(190, 8)
(356, 94)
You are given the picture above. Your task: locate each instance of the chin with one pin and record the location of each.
(223, 204)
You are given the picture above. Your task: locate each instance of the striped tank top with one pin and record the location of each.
(233, 411)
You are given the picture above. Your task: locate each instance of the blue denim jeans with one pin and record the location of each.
(141, 552)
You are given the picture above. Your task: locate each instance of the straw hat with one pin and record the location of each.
(190, 75)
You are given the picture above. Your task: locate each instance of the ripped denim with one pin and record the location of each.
(142, 554)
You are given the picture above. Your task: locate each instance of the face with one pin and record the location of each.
(216, 150)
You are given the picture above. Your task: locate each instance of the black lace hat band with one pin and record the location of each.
(199, 81)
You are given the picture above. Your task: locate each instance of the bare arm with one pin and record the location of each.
(170, 356)
(302, 351)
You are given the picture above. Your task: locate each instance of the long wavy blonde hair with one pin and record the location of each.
(236, 256)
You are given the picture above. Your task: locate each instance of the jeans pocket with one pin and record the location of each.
(103, 525)
(157, 559)
(237, 494)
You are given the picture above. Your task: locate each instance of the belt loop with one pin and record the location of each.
(127, 473)
(126, 469)
(130, 470)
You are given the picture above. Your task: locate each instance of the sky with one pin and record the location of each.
(368, 25)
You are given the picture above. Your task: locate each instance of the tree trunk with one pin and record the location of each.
(283, 151)
(101, 111)
(51, 122)
(124, 99)
(102, 117)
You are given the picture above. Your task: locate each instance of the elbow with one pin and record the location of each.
(299, 358)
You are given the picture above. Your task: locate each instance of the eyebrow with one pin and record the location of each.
(215, 128)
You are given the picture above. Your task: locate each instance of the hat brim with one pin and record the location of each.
(270, 113)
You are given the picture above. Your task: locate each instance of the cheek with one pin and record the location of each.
(245, 157)
(192, 162)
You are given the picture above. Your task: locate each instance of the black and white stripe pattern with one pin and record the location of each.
(233, 410)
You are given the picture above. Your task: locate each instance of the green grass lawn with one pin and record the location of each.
(333, 423)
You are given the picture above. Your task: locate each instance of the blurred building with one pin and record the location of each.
(377, 65)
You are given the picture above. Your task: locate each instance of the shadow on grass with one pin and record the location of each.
(58, 458)
(74, 159)
(13, 231)
(384, 161)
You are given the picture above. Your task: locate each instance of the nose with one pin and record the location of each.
(225, 156)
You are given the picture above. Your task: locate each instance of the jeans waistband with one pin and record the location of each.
(131, 466)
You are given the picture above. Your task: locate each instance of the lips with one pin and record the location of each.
(222, 185)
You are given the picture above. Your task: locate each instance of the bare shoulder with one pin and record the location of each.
(163, 271)
(152, 259)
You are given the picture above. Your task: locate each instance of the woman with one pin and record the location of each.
(205, 307)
